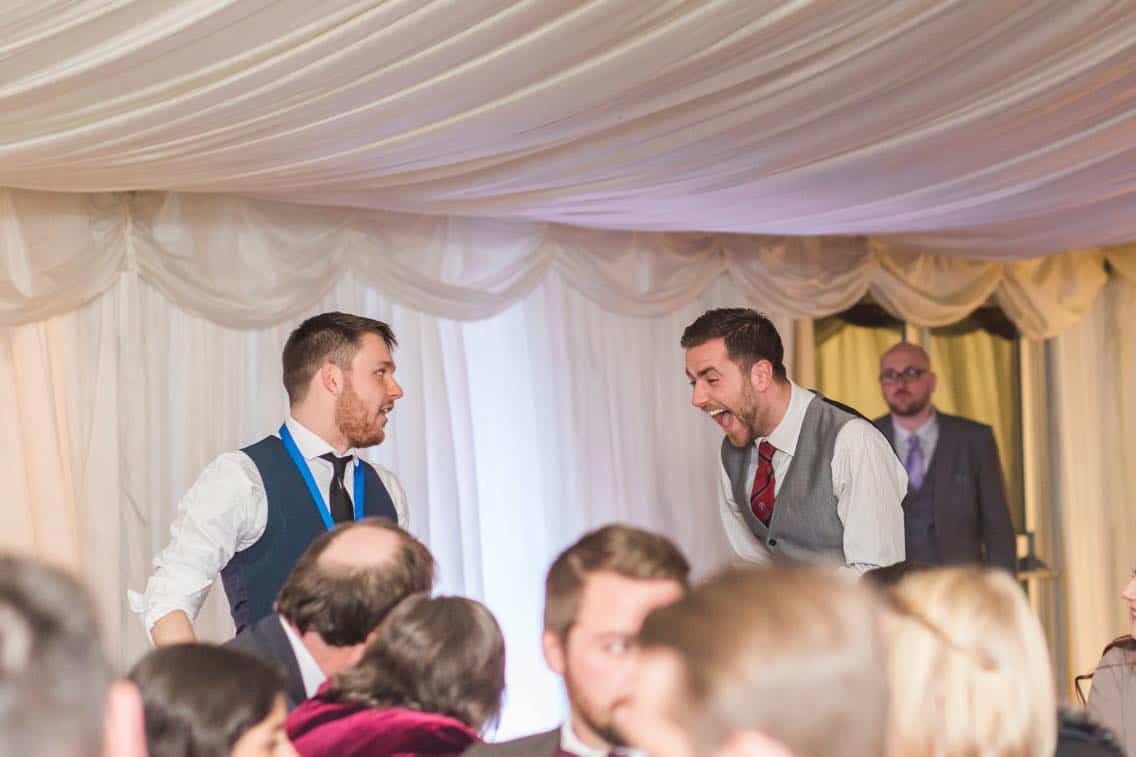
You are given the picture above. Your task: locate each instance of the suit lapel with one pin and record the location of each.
(942, 468)
(275, 638)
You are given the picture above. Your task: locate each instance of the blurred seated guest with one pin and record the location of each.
(969, 667)
(781, 661)
(1112, 699)
(340, 589)
(428, 684)
(209, 701)
(1080, 736)
(596, 594)
(889, 575)
(55, 683)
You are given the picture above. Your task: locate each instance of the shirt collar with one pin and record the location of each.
(784, 437)
(569, 742)
(310, 671)
(902, 434)
(310, 444)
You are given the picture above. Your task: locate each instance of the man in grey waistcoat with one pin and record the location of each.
(955, 508)
(803, 478)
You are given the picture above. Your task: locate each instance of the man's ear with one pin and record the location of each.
(554, 651)
(331, 378)
(752, 744)
(761, 375)
(934, 381)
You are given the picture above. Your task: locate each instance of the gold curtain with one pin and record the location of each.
(848, 363)
(978, 379)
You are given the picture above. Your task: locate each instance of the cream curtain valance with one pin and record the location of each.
(246, 263)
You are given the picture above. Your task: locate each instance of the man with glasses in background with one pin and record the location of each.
(955, 509)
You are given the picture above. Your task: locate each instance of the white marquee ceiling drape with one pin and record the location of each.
(251, 264)
(984, 129)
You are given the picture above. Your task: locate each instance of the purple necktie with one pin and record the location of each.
(914, 463)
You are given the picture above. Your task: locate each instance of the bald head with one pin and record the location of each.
(908, 351)
(906, 381)
(357, 548)
(350, 577)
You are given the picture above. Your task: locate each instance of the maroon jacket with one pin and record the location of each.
(319, 728)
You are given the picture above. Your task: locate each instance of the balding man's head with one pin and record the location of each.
(350, 577)
(906, 379)
(909, 350)
(356, 548)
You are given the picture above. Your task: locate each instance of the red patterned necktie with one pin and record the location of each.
(761, 497)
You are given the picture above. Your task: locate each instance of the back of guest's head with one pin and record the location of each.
(349, 578)
(966, 640)
(789, 657)
(443, 655)
(200, 699)
(624, 550)
(53, 675)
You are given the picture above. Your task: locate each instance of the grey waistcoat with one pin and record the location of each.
(805, 526)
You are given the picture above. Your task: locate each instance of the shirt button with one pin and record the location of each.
(773, 542)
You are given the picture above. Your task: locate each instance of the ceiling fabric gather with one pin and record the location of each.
(1002, 130)
(253, 263)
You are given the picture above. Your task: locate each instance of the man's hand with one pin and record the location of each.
(173, 628)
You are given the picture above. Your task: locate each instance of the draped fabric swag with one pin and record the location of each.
(249, 264)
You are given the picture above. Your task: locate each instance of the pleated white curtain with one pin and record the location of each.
(517, 433)
(1093, 374)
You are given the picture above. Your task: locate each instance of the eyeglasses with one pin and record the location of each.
(907, 374)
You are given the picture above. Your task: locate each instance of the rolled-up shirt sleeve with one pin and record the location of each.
(869, 483)
(746, 545)
(225, 511)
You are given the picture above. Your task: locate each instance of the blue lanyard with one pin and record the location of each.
(317, 496)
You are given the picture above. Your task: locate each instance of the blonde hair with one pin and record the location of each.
(794, 653)
(970, 669)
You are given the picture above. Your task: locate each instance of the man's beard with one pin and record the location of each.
(908, 407)
(746, 415)
(351, 418)
(606, 732)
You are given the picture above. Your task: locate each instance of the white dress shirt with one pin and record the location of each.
(310, 672)
(868, 479)
(226, 511)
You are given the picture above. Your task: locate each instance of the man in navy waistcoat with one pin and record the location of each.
(253, 512)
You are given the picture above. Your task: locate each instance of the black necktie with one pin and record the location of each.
(337, 498)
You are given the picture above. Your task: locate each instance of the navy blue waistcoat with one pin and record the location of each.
(254, 576)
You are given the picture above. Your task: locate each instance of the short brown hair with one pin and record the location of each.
(791, 652)
(327, 337)
(441, 654)
(749, 337)
(344, 605)
(624, 550)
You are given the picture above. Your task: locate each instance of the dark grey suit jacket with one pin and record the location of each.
(266, 640)
(972, 520)
(538, 745)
